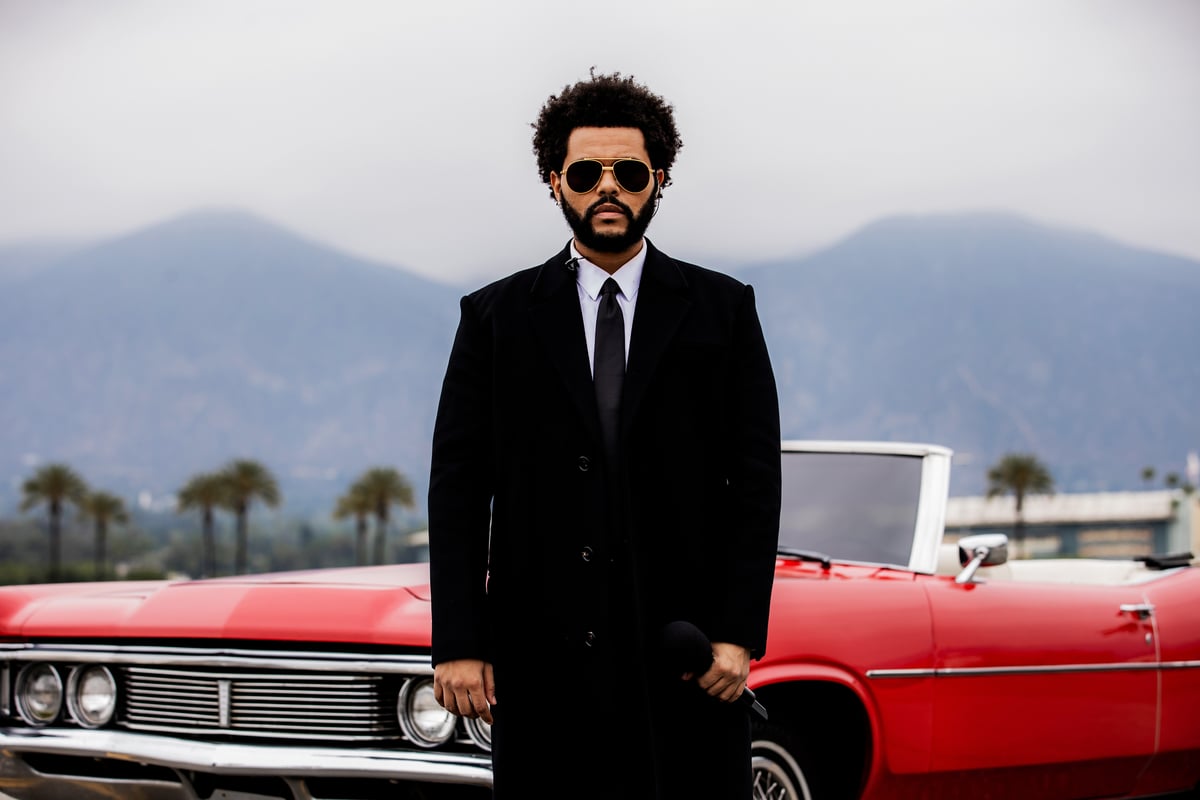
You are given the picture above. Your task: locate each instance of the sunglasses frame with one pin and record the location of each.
(610, 167)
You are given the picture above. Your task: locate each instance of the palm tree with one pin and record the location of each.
(54, 485)
(205, 492)
(103, 508)
(356, 503)
(1148, 474)
(247, 481)
(1022, 474)
(384, 486)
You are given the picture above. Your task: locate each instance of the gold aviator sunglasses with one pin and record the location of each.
(584, 175)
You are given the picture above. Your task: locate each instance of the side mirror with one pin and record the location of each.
(981, 550)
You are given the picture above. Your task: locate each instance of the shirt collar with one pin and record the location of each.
(628, 276)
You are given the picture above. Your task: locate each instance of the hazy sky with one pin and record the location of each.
(400, 131)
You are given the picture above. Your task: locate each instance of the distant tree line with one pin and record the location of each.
(57, 486)
(373, 494)
(235, 489)
(243, 482)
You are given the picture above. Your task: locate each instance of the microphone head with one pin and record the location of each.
(685, 648)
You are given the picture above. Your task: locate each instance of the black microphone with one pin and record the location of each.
(572, 264)
(685, 648)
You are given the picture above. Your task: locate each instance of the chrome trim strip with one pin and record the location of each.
(245, 759)
(308, 733)
(966, 672)
(223, 714)
(931, 501)
(221, 657)
(875, 448)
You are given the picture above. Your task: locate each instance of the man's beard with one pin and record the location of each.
(586, 234)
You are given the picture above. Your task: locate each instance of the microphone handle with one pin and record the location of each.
(747, 698)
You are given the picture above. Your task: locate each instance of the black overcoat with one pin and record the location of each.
(562, 569)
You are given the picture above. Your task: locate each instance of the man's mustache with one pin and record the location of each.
(607, 201)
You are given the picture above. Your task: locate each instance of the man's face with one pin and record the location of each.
(607, 218)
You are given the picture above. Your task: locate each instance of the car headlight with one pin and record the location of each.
(39, 694)
(92, 696)
(480, 733)
(423, 721)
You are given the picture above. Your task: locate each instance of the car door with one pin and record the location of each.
(1051, 689)
(1176, 765)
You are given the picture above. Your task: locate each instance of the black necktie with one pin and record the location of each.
(608, 366)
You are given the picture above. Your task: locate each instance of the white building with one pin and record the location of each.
(1108, 524)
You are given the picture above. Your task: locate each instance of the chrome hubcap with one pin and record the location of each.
(777, 776)
(771, 783)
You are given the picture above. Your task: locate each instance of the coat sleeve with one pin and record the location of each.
(460, 495)
(755, 488)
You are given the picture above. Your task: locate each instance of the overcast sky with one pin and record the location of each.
(400, 130)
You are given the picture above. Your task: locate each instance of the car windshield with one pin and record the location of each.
(851, 506)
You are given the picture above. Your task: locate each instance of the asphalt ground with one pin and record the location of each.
(1161, 797)
(1184, 796)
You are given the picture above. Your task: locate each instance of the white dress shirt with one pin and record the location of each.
(588, 280)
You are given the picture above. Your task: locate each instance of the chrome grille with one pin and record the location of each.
(303, 705)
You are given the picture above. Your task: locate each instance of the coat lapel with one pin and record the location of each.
(661, 306)
(558, 324)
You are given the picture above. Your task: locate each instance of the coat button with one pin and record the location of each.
(589, 638)
(585, 463)
(587, 553)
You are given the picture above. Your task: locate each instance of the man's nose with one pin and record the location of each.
(608, 183)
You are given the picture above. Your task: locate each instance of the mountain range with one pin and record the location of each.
(146, 358)
(989, 334)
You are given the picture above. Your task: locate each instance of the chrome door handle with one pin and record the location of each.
(1140, 610)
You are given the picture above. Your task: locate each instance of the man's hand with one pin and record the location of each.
(726, 678)
(465, 687)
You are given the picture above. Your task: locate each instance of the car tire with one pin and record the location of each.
(775, 762)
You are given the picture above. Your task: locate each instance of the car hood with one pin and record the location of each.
(368, 605)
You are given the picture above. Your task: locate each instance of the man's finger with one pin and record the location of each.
(462, 700)
(714, 679)
(724, 686)
(731, 692)
(489, 684)
(479, 705)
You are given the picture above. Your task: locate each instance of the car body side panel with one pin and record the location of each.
(850, 620)
(1176, 620)
(1038, 675)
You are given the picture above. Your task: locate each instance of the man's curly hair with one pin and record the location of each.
(605, 101)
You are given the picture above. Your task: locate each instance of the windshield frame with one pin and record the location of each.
(931, 502)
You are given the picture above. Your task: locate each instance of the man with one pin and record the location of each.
(605, 462)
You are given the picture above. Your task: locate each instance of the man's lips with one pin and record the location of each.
(608, 211)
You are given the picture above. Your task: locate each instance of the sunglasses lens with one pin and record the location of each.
(632, 175)
(582, 176)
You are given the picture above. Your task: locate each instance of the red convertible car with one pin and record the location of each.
(897, 667)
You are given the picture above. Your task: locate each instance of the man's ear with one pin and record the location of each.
(555, 187)
(659, 176)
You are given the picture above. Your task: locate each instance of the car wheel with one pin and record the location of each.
(773, 762)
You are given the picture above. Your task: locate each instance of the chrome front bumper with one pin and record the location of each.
(292, 764)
